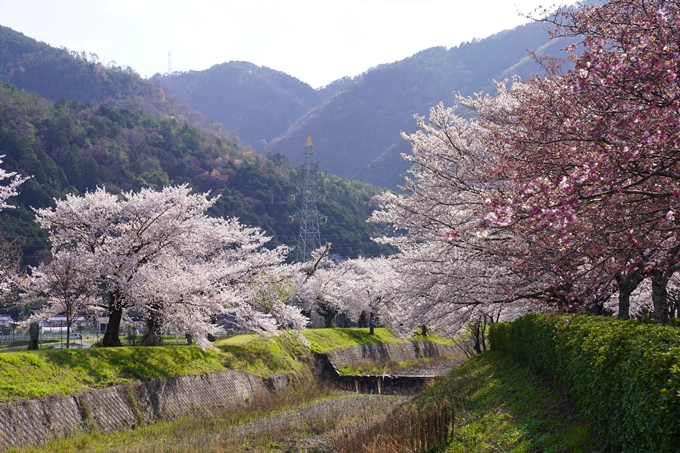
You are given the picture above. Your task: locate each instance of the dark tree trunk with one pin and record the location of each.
(328, 320)
(371, 323)
(626, 286)
(154, 331)
(660, 295)
(34, 336)
(112, 334)
(189, 338)
(597, 308)
(424, 330)
(328, 313)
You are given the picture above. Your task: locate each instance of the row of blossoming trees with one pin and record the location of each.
(560, 191)
(563, 189)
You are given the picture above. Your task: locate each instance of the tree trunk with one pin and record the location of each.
(189, 338)
(34, 336)
(112, 334)
(328, 320)
(371, 323)
(327, 311)
(154, 331)
(597, 308)
(424, 330)
(659, 296)
(626, 286)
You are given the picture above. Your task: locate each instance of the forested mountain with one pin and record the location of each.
(357, 131)
(69, 146)
(356, 122)
(56, 73)
(256, 102)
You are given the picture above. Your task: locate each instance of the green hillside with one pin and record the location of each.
(356, 122)
(256, 102)
(358, 130)
(56, 73)
(70, 146)
(66, 371)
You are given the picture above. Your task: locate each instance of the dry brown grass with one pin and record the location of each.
(405, 430)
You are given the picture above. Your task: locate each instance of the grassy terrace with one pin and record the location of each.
(66, 371)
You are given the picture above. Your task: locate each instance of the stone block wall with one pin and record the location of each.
(396, 352)
(36, 421)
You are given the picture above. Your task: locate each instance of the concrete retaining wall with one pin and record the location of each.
(36, 421)
(395, 352)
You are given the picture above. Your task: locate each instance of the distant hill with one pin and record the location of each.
(56, 73)
(256, 102)
(357, 131)
(71, 147)
(355, 122)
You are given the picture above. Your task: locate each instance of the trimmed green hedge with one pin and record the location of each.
(499, 336)
(624, 376)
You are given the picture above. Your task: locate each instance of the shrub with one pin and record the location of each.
(499, 336)
(624, 376)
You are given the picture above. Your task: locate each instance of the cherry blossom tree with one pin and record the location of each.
(565, 187)
(11, 274)
(317, 286)
(449, 264)
(67, 285)
(366, 288)
(595, 149)
(158, 252)
(9, 188)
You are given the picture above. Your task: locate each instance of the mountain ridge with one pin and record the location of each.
(356, 121)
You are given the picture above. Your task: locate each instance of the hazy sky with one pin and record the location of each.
(316, 41)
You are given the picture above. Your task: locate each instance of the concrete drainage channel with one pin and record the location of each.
(36, 421)
(388, 384)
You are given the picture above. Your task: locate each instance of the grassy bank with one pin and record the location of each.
(504, 407)
(29, 374)
(209, 433)
(326, 340)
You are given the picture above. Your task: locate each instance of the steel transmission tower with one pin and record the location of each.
(309, 238)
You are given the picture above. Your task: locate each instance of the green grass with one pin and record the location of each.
(61, 371)
(326, 340)
(29, 374)
(254, 354)
(504, 407)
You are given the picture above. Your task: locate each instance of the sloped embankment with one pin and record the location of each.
(35, 421)
(144, 385)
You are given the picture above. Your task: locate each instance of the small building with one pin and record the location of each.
(58, 322)
(102, 324)
(6, 321)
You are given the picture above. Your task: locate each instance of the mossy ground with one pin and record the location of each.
(29, 374)
(502, 406)
(326, 340)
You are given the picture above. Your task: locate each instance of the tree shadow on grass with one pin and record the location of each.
(504, 406)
